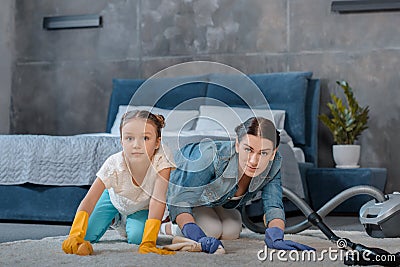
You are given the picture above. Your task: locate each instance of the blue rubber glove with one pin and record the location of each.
(194, 232)
(274, 239)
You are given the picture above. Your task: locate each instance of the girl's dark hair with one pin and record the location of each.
(157, 120)
(258, 126)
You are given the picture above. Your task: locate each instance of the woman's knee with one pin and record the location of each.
(212, 229)
(231, 229)
(231, 225)
(208, 221)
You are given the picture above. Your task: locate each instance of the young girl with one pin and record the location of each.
(132, 182)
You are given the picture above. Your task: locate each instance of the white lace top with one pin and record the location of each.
(126, 197)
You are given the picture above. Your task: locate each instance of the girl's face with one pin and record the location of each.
(255, 153)
(139, 140)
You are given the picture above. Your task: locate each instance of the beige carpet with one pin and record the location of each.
(113, 251)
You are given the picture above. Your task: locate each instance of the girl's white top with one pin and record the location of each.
(126, 197)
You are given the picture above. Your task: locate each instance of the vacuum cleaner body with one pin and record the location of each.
(382, 219)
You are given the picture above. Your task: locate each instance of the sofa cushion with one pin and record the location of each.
(294, 102)
(227, 118)
(234, 91)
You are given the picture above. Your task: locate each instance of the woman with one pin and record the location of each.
(222, 175)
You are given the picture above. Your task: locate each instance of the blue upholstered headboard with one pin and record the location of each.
(296, 92)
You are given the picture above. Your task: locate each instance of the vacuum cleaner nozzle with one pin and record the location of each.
(371, 256)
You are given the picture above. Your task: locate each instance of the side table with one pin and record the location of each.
(325, 183)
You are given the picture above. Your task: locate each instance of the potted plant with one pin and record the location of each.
(346, 122)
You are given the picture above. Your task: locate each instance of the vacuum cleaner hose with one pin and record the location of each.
(322, 212)
(330, 205)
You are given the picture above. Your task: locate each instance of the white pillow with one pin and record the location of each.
(227, 118)
(175, 120)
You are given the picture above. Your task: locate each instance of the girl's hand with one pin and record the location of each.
(149, 239)
(75, 243)
(146, 247)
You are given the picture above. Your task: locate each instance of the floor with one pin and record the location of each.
(20, 231)
(12, 231)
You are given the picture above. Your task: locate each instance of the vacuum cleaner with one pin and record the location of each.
(380, 218)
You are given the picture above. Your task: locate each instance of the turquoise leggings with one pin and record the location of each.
(102, 216)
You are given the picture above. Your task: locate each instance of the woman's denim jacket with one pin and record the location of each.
(207, 175)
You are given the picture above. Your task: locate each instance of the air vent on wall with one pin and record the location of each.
(358, 6)
(72, 22)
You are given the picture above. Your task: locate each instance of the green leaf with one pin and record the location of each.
(345, 121)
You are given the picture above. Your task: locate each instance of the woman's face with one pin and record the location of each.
(255, 153)
(139, 140)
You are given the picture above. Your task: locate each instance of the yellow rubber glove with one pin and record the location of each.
(75, 243)
(149, 239)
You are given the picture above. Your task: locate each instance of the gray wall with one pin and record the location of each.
(62, 79)
(6, 62)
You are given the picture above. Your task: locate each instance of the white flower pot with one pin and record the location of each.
(346, 156)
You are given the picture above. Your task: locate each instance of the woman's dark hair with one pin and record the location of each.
(258, 126)
(157, 120)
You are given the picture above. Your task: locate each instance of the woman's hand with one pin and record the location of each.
(194, 232)
(274, 239)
